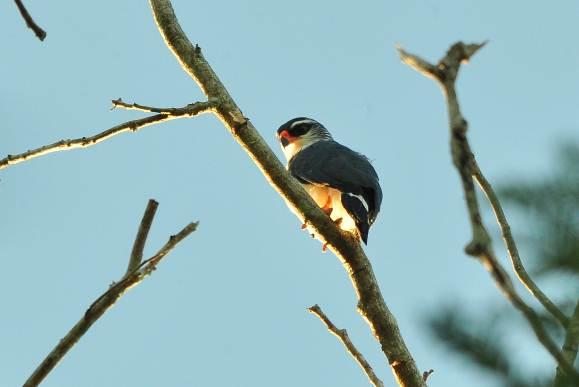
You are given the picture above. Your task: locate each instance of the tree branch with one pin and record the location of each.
(106, 300)
(342, 335)
(39, 32)
(426, 374)
(135, 125)
(480, 245)
(187, 111)
(570, 347)
(371, 305)
(518, 266)
(142, 234)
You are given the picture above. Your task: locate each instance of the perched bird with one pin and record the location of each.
(342, 182)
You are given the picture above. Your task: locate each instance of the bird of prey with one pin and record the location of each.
(342, 182)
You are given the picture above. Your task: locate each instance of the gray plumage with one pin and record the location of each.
(342, 182)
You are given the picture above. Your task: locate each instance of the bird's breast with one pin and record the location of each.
(323, 195)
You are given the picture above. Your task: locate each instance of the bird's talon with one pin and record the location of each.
(325, 247)
(304, 226)
(327, 207)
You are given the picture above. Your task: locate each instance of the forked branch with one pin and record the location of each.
(371, 304)
(111, 296)
(129, 126)
(480, 246)
(512, 249)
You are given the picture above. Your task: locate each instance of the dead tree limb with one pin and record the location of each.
(129, 126)
(109, 298)
(342, 335)
(39, 32)
(570, 347)
(371, 304)
(480, 246)
(512, 249)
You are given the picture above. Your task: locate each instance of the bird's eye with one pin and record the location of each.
(300, 130)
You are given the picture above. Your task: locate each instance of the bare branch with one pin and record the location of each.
(39, 32)
(480, 245)
(142, 234)
(418, 64)
(518, 266)
(371, 304)
(83, 142)
(103, 303)
(342, 335)
(570, 347)
(189, 110)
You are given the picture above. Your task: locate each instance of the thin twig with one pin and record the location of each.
(480, 245)
(371, 305)
(39, 32)
(83, 142)
(417, 63)
(189, 110)
(142, 234)
(518, 266)
(101, 305)
(342, 335)
(570, 347)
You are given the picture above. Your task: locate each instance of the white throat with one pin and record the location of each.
(295, 147)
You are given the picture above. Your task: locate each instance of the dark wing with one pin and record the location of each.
(332, 164)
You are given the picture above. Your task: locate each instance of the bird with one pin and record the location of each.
(342, 182)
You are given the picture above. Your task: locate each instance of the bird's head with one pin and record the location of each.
(299, 133)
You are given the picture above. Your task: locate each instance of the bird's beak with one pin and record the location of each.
(285, 138)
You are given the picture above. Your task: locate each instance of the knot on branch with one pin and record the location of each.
(475, 248)
(460, 127)
(240, 125)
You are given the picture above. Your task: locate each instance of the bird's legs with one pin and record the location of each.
(327, 208)
(337, 222)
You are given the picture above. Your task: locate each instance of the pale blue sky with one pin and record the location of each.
(228, 307)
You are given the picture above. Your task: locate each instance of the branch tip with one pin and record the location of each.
(105, 301)
(141, 238)
(39, 32)
(342, 335)
(163, 114)
(464, 162)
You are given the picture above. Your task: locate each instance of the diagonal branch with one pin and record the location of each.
(371, 304)
(570, 347)
(480, 245)
(104, 302)
(342, 335)
(39, 32)
(518, 266)
(133, 126)
(142, 234)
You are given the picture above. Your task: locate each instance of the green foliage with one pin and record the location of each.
(480, 343)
